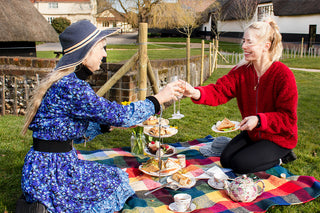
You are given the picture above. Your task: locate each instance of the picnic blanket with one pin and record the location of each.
(293, 189)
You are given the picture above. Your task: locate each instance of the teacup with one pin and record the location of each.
(182, 202)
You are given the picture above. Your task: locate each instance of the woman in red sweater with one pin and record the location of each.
(267, 98)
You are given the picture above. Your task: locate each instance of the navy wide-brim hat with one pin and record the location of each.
(216, 147)
(77, 40)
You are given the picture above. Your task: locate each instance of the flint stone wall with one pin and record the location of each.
(20, 75)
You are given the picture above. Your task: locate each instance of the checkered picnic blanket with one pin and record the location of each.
(278, 191)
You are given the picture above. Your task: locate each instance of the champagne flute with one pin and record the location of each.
(183, 87)
(176, 115)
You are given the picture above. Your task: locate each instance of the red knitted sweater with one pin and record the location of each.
(274, 97)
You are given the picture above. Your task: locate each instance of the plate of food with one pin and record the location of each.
(165, 132)
(181, 180)
(225, 126)
(154, 121)
(169, 167)
(165, 151)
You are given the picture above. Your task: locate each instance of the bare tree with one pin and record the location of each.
(135, 11)
(217, 17)
(103, 5)
(243, 11)
(181, 16)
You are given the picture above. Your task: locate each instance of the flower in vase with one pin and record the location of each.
(138, 141)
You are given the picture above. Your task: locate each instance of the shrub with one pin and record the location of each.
(60, 24)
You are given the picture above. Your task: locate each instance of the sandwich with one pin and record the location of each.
(167, 166)
(181, 179)
(226, 125)
(155, 131)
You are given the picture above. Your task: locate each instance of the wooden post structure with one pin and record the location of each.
(301, 54)
(202, 61)
(143, 60)
(152, 78)
(118, 75)
(213, 55)
(216, 53)
(210, 55)
(188, 60)
(15, 96)
(3, 98)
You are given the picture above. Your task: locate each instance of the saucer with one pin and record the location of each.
(214, 184)
(173, 207)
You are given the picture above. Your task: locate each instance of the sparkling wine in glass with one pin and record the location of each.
(176, 115)
(183, 86)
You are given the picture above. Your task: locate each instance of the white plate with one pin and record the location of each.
(193, 182)
(214, 127)
(173, 207)
(146, 150)
(172, 130)
(162, 174)
(215, 185)
(164, 122)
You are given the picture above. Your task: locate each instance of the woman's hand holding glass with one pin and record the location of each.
(190, 91)
(170, 92)
(181, 85)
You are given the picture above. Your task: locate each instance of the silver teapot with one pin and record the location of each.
(244, 189)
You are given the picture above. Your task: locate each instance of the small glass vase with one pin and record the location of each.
(138, 142)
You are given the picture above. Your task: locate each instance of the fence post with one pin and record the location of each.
(3, 96)
(188, 59)
(15, 96)
(216, 53)
(143, 60)
(301, 47)
(202, 61)
(210, 62)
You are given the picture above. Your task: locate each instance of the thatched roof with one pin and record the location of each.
(295, 7)
(21, 21)
(280, 7)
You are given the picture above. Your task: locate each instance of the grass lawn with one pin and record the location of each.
(196, 124)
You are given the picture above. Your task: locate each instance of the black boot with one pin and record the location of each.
(24, 207)
(289, 157)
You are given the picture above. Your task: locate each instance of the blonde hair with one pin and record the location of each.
(39, 93)
(267, 30)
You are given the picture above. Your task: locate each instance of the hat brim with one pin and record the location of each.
(215, 148)
(75, 58)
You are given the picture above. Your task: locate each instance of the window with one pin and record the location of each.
(105, 24)
(53, 5)
(50, 19)
(114, 24)
(264, 11)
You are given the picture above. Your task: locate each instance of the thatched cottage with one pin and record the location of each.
(21, 27)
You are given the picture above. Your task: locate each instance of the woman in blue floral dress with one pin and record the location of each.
(61, 110)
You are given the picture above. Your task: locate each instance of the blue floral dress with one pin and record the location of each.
(61, 181)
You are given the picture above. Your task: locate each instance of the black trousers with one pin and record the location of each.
(245, 156)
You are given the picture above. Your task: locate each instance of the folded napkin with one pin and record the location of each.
(216, 172)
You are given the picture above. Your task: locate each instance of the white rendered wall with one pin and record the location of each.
(298, 24)
(72, 11)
